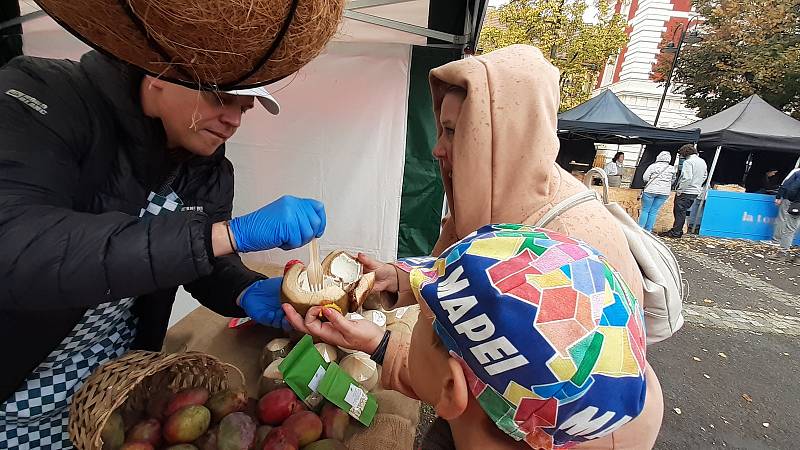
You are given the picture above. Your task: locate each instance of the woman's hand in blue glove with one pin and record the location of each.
(262, 303)
(286, 223)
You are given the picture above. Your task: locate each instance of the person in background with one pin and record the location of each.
(614, 169)
(770, 182)
(690, 185)
(658, 178)
(788, 201)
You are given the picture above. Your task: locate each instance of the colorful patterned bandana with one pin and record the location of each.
(551, 339)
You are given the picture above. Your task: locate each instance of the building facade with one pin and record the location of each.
(628, 75)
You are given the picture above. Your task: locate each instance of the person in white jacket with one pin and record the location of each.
(658, 178)
(690, 186)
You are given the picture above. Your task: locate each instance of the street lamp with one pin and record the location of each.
(692, 37)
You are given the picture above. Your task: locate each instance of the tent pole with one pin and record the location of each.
(705, 190)
(797, 164)
(639, 157)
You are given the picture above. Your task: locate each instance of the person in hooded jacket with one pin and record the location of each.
(498, 165)
(114, 191)
(658, 178)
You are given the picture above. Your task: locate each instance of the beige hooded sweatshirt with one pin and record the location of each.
(504, 171)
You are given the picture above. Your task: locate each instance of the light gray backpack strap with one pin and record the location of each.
(566, 204)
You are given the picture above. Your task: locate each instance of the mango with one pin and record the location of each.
(325, 444)
(261, 435)
(334, 422)
(137, 446)
(113, 434)
(280, 439)
(208, 441)
(146, 431)
(237, 431)
(187, 424)
(226, 402)
(184, 398)
(181, 447)
(278, 405)
(306, 425)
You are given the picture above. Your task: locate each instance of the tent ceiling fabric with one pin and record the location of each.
(606, 119)
(412, 15)
(751, 125)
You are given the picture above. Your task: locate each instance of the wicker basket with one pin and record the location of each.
(131, 379)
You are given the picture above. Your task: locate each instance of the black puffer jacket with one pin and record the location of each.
(78, 159)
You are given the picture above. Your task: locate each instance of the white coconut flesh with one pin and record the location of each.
(346, 269)
(327, 282)
(344, 272)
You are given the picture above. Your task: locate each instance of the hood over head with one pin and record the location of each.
(664, 157)
(507, 127)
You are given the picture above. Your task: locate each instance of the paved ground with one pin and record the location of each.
(731, 376)
(743, 325)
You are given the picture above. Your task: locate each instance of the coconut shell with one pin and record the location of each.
(327, 351)
(327, 268)
(376, 317)
(271, 378)
(276, 348)
(361, 368)
(302, 301)
(361, 291)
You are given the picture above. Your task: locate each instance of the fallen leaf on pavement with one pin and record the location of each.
(758, 255)
(707, 376)
(705, 350)
(696, 358)
(711, 425)
(705, 300)
(677, 411)
(723, 355)
(785, 354)
(747, 397)
(766, 424)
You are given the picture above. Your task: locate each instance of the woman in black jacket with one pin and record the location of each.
(115, 191)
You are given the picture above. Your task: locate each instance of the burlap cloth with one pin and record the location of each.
(395, 424)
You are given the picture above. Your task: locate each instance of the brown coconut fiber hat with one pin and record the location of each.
(211, 44)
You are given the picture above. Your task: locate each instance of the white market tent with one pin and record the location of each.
(355, 128)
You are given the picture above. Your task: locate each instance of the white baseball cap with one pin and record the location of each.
(263, 96)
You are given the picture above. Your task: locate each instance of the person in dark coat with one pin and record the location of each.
(114, 191)
(787, 199)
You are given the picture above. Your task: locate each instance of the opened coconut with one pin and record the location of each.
(345, 286)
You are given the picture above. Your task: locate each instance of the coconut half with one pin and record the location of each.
(344, 284)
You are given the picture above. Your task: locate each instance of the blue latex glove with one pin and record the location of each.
(287, 223)
(262, 303)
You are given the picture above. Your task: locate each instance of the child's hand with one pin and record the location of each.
(362, 335)
(385, 274)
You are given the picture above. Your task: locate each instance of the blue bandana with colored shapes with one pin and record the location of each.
(551, 339)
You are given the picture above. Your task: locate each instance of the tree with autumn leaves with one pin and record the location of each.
(579, 49)
(747, 48)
